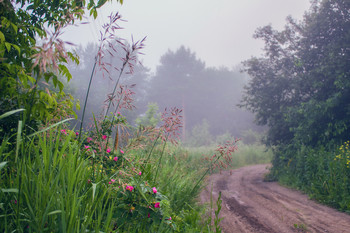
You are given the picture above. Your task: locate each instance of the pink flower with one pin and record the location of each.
(157, 205)
(109, 182)
(89, 139)
(87, 147)
(148, 215)
(118, 113)
(140, 173)
(169, 218)
(77, 134)
(121, 151)
(104, 137)
(108, 150)
(129, 187)
(63, 131)
(115, 159)
(154, 190)
(113, 180)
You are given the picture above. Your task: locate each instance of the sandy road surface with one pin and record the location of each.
(252, 205)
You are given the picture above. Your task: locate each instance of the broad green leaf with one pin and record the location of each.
(8, 46)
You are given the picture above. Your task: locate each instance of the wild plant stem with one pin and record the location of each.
(205, 173)
(154, 144)
(115, 88)
(86, 98)
(161, 156)
(110, 101)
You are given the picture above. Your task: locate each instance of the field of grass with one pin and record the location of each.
(51, 182)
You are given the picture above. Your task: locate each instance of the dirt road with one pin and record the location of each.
(252, 205)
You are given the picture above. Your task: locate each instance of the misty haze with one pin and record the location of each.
(175, 116)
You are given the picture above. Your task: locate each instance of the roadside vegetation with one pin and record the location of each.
(300, 89)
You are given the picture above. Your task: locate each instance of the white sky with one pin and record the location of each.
(219, 32)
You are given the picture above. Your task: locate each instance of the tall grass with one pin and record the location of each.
(53, 193)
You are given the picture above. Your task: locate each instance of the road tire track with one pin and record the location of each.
(252, 205)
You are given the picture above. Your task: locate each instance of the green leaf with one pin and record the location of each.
(60, 86)
(64, 71)
(15, 28)
(11, 113)
(2, 37)
(2, 165)
(93, 190)
(101, 3)
(18, 141)
(95, 13)
(54, 125)
(8, 46)
(17, 48)
(73, 57)
(54, 212)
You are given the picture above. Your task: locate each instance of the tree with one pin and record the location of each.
(26, 68)
(300, 87)
(151, 117)
(174, 80)
(182, 80)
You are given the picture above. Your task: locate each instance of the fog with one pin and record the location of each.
(192, 61)
(207, 96)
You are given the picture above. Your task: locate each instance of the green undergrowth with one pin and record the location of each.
(322, 172)
(53, 183)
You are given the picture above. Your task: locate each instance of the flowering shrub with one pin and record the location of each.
(344, 154)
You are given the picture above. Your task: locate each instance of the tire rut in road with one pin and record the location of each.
(251, 205)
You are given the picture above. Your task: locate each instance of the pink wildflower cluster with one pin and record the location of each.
(64, 131)
(112, 181)
(129, 187)
(157, 205)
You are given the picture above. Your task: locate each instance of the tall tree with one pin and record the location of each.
(300, 87)
(182, 80)
(175, 77)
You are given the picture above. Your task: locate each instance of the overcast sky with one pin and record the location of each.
(219, 32)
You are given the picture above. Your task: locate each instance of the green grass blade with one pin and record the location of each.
(11, 113)
(51, 126)
(18, 142)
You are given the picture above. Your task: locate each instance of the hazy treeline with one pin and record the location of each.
(208, 96)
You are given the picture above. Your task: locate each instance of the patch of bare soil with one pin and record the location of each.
(251, 205)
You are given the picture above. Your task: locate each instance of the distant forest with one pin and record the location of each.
(208, 96)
